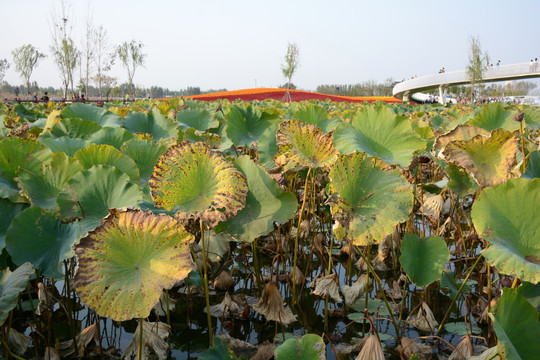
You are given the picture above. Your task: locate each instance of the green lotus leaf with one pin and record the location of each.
(423, 259)
(111, 136)
(489, 160)
(318, 116)
(200, 182)
(452, 284)
(218, 351)
(506, 216)
(531, 117)
(460, 182)
(494, 116)
(8, 211)
(533, 166)
(64, 144)
(531, 293)
(367, 202)
(30, 114)
(462, 329)
(107, 155)
(306, 144)
(461, 132)
(43, 186)
(90, 194)
(72, 128)
(125, 264)
(378, 132)
(37, 236)
(267, 146)
(246, 125)
(266, 204)
(309, 347)
(199, 119)
(517, 326)
(14, 152)
(145, 153)
(153, 123)
(92, 113)
(11, 285)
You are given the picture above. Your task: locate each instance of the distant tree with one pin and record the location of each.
(292, 59)
(63, 49)
(103, 57)
(131, 56)
(478, 62)
(25, 59)
(87, 55)
(4, 65)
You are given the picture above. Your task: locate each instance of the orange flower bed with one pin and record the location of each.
(278, 94)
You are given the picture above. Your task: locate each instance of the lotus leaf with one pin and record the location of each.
(41, 238)
(309, 347)
(532, 117)
(318, 116)
(367, 202)
(462, 132)
(11, 284)
(92, 113)
(30, 115)
(494, 116)
(489, 160)
(266, 204)
(218, 351)
(153, 123)
(145, 153)
(199, 119)
(111, 136)
(14, 152)
(200, 182)
(42, 187)
(64, 144)
(531, 293)
(72, 128)
(153, 341)
(267, 146)
(378, 132)
(450, 282)
(91, 193)
(306, 144)
(423, 259)
(462, 329)
(125, 264)
(107, 155)
(517, 326)
(461, 183)
(533, 166)
(505, 215)
(246, 125)
(8, 211)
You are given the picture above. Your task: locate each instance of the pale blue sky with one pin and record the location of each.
(238, 44)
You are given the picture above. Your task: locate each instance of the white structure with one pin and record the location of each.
(404, 89)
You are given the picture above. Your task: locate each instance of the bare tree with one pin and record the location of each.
(290, 66)
(26, 58)
(4, 65)
(103, 57)
(131, 56)
(87, 54)
(63, 49)
(478, 62)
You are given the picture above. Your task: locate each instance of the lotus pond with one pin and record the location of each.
(235, 230)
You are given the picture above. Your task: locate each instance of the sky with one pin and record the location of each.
(239, 44)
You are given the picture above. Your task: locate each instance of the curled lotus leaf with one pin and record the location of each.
(379, 132)
(533, 166)
(199, 119)
(93, 113)
(367, 202)
(108, 155)
(145, 153)
(461, 132)
(11, 284)
(8, 211)
(506, 216)
(246, 125)
(489, 160)
(306, 144)
(495, 116)
(200, 182)
(154, 123)
(72, 128)
(125, 264)
(309, 347)
(111, 136)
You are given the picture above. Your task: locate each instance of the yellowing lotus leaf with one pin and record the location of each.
(367, 202)
(489, 160)
(198, 183)
(462, 132)
(125, 264)
(306, 144)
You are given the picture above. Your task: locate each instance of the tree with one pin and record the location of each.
(478, 62)
(131, 56)
(87, 54)
(4, 65)
(26, 58)
(103, 58)
(290, 66)
(65, 53)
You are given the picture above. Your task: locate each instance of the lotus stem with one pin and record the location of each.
(167, 304)
(524, 163)
(489, 287)
(366, 292)
(8, 350)
(456, 296)
(403, 304)
(256, 265)
(140, 338)
(205, 270)
(298, 233)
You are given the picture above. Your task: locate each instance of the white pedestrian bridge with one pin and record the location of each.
(405, 89)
